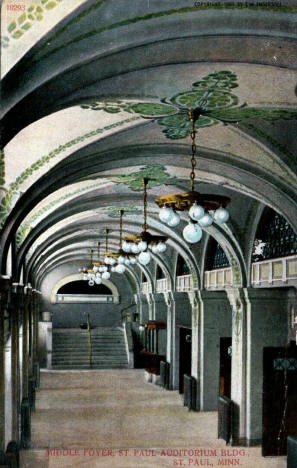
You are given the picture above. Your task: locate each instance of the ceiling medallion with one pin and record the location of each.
(144, 241)
(203, 209)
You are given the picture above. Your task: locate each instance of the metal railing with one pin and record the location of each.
(89, 340)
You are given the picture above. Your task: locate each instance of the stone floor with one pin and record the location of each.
(113, 418)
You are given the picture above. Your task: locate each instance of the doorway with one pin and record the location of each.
(225, 366)
(279, 399)
(185, 355)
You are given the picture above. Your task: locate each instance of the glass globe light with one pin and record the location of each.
(135, 248)
(98, 275)
(161, 247)
(196, 212)
(127, 261)
(120, 268)
(95, 268)
(80, 270)
(107, 260)
(98, 280)
(91, 282)
(221, 215)
(126, 246)
(144, 258)
(112, 269)
(175, 220)
(205, 221)
(142, 246)
(121, 259)
(112, 261)
(165, 214)
(106, 275)
(155, 249)
(192, 233)
(133, 260)
(85, 277)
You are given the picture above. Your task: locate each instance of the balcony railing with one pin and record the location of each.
(145, 288)
(218, 279)
(184, 283)
(162, 285)
(275, 271)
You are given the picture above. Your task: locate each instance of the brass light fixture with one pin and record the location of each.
(121, 257)
(100, 268)
(203, 209)
(141, 243)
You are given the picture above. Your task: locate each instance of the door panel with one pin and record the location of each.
(279, 399)
(185, 355)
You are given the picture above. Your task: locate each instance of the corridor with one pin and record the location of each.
(113, 418)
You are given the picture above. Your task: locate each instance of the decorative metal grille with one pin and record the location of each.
(285, 364)
(277, 234)
(220, 258)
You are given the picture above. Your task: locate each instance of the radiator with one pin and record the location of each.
(225, 418)
(190, 392)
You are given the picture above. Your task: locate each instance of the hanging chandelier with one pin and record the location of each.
(119, 260)
(99, 268)
(141, 243)
(88, 273)
(203, 209)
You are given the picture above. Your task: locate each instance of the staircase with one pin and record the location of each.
(71, 351)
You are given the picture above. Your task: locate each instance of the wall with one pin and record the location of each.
(216, 322)
(72, 315)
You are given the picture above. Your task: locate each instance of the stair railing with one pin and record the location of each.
(89, 340)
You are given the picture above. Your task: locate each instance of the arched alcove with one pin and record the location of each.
(215, 256)
(274, 237)
(182, 268)
(80, 287)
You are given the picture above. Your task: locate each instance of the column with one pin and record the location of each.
(4, 298)
(196, 314)
(239, 305)
(15, 363)
(25, 359)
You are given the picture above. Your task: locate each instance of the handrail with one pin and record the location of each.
(89, 339)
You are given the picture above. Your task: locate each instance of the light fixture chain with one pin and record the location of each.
(193, 159)
(121, 228)
(145, 182)
(98, 251)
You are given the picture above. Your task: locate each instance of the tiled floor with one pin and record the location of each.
(113, 418)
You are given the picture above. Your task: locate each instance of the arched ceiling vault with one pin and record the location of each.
(111, 80)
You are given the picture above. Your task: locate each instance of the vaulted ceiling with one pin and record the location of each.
(94, 98)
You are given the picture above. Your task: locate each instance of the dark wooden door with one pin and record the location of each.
(225, 366)
(279, 399)
(185, 355)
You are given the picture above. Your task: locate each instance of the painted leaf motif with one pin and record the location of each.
(222, 79)
(244, 113)
(156, 174)
(179, 126)
(151, 109)
(205, 98)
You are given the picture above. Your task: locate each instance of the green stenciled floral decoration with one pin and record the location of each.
(211, 95)
(25, 21)
(114, 211)
(156, 174)
(14, 186)
(26, 227)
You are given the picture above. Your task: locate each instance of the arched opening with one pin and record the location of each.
(82, 287)
(182, 268)
(160, 273)
(215, 256)
(274, 237)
